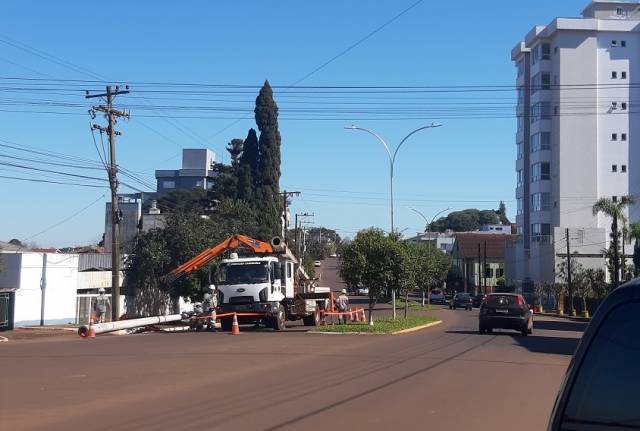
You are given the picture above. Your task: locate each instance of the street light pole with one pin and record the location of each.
(428, 238)
(392, 161)
(392, 156)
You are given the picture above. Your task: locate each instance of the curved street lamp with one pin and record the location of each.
(392, 155)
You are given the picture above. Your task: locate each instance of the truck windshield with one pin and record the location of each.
(243, 273)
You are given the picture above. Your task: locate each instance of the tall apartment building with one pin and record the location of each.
(196, 172)
(578, 135)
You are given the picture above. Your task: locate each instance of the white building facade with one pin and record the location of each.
(577, 136)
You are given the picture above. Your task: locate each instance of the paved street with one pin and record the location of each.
(447, 377)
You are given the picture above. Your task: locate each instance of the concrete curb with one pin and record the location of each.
(3, 339)
(403, 331)
(48, 328)
(564, 316)
(417, 328)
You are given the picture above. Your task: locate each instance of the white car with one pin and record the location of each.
(363, 291)
(317, 263)
(333, 255)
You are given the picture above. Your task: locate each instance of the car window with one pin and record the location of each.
(501, 300)
(605, 394)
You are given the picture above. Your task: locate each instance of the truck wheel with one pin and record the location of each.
(312, 320)
(278, 319)
(226, 324)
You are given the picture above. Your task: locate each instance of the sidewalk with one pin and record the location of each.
(27, 333)
(564, 316)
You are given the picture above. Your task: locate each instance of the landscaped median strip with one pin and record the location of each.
(383, 326)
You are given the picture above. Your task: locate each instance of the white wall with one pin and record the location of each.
(60, 293)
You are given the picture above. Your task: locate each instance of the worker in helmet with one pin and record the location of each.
(210, 303)
(100, 307)
(342, 304)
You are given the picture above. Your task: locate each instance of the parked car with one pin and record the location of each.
(317, 263)
(461, 300)
(333, 255)
(436, 296)
(363, 291)
(477, 300)
(505, 311)
(600, 387)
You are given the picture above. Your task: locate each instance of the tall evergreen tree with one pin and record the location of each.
(268, 184)
(234, 148)
(248, 167)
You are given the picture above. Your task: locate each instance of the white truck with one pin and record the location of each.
(263, 287)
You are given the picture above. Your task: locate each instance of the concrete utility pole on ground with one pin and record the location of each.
(112, 170)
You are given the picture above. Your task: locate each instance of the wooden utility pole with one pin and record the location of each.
(569, 284)
(112, 170)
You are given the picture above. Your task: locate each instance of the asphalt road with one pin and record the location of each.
(447, 378)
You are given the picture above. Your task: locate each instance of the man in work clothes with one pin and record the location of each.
(342, 304)
(210, 304)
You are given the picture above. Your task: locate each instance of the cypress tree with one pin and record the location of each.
(268, 183)
(248, 167)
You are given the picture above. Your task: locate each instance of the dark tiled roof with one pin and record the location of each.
(466, 245)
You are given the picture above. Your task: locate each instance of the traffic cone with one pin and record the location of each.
(362, 318)
(92, 331)
(235, 328)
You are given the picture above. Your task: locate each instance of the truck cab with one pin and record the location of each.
(254, 284)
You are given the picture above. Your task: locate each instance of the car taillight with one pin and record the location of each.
(520, 300)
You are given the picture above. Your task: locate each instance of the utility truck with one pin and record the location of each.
(260, 281)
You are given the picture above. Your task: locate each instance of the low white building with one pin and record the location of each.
(38, 288)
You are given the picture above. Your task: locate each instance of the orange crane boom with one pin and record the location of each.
(231, 243)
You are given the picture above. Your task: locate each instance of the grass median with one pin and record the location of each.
(413, 305)
(382, 326)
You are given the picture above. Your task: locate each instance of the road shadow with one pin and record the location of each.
(560, 325)
(534, 343)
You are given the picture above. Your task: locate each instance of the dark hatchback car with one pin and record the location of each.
(461, 300)
(600, 390)
(505, 311)
(477, 300)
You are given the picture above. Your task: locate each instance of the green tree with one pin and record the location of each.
(502, 213)
(634, 233)
(465, 220)
(186, 234)
(248, 168)
(185, 201)
(576, 274)
(615, 210)
(234, 148)
(268, 184)
(371, 260)
(433, 268)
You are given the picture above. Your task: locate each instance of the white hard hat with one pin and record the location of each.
(344, 291)
(101, 290)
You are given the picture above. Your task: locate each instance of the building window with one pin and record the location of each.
(614, 198)
(623, 137)
(519, 178)
(520, 67)
(623, 75)
(540, 111)
(614, 75)
(167, 184)
(614, 43)
(623, 106)
(519, 230)
(614, 136)
(488, 271)
(540, 81)
(540, 141)
(519, 146)
(614, 106)
(614, 168)
(540, 201)
(623, 168)
(520, 206)
(540, 171)
(620, 11)
(623, 43)
(541, 232)
(520, 122)
(499, 272)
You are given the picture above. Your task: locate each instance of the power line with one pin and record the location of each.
(34, 180)
(80, 211)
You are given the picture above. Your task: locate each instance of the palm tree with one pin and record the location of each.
(615, 210)
(634, 233)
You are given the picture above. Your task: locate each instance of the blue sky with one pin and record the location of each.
(343, 175)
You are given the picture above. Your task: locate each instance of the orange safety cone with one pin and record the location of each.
(235, 328)
(361, 315)
(92, 331)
